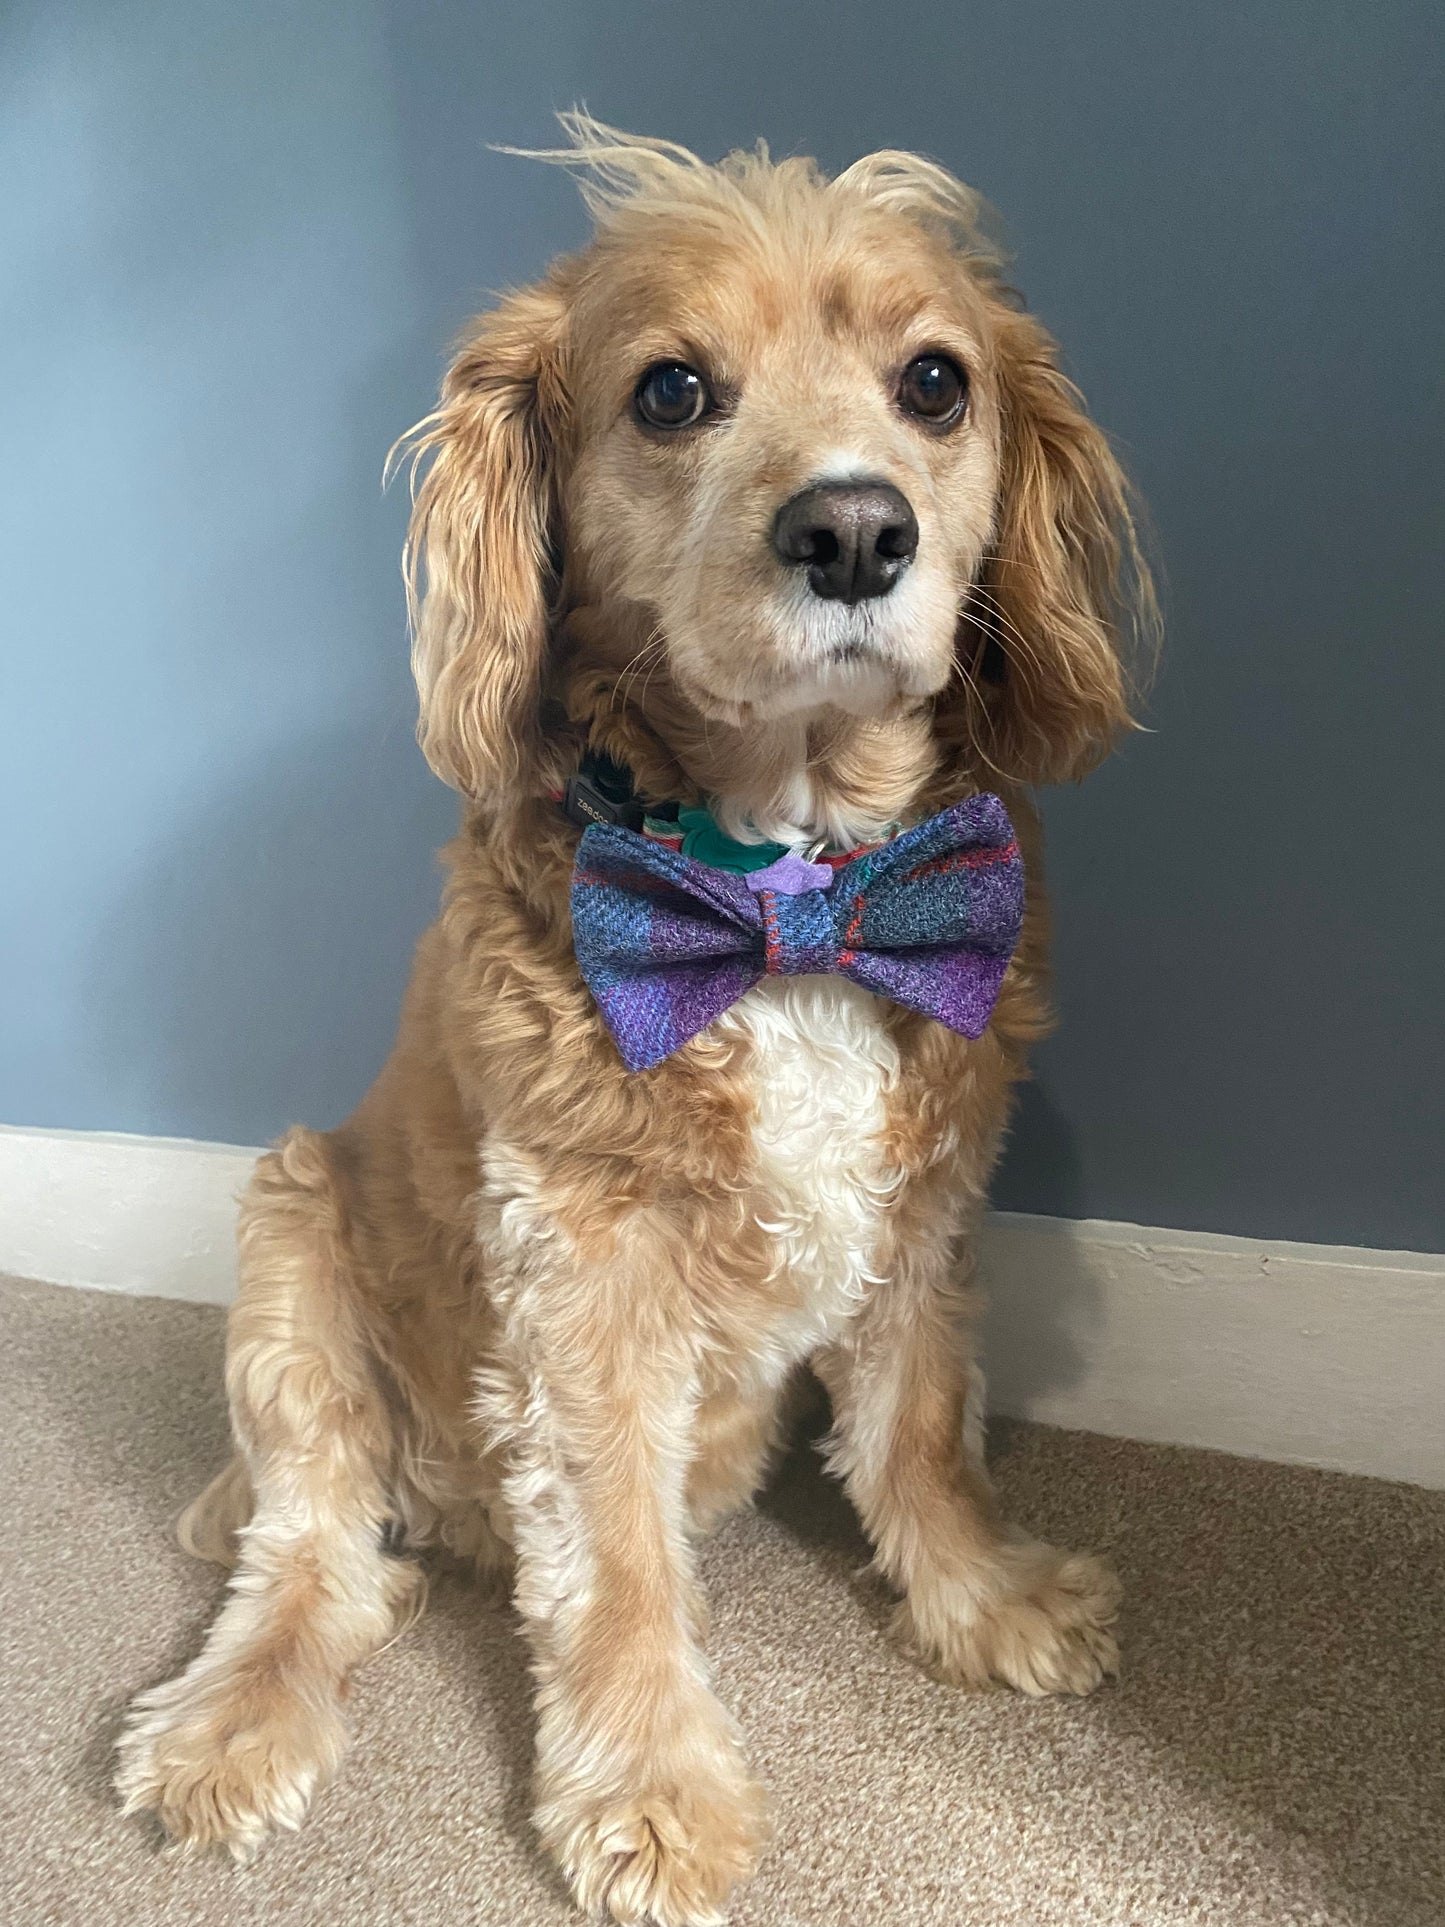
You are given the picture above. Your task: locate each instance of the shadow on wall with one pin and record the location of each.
(242, 984)
(1061, 1310)
(1041, 1169)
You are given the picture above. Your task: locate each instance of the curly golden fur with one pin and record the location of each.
(544, 1314)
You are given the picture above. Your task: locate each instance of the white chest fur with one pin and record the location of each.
(823, 1066)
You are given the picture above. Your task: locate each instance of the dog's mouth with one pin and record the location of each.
(802, 653)
(853, 676)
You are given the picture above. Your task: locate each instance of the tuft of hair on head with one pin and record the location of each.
(626, 178)
(615, 169)
(922, 191)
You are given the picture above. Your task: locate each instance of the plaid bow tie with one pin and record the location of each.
(667, 944)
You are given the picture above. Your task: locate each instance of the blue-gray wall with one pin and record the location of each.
(236, 240)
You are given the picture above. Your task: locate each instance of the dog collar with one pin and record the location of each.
(601, 791)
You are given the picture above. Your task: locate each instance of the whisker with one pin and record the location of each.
(975, 703)
(625, 687)
(975, 741)
(1010, 628)
(658, 659)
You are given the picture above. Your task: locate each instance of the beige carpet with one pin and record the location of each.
(1274, 1753)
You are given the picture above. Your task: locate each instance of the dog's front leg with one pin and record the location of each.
(643, 1794)
(981, 1602)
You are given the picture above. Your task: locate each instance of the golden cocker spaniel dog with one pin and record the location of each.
(774, 498)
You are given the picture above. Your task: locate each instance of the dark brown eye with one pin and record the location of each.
(935, 389)
(672, 395)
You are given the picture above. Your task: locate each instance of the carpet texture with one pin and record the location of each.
(1273, 1754)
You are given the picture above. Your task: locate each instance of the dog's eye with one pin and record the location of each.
(672, 395)
(935, 389)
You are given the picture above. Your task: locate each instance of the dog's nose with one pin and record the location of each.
(854, 538)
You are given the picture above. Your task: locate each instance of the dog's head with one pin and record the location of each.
(778, 466)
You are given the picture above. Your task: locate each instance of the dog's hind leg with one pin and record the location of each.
(237, 1744)
(210, 1526)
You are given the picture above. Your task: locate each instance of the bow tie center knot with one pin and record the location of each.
(800, 933)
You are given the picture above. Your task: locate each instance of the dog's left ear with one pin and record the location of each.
(482, 547)
(1064, 604)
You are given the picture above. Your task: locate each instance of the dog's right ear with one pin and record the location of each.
(482, 546)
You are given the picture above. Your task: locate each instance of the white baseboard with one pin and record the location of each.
(1318, 1354)
(1313, 1353)
(154, 1216)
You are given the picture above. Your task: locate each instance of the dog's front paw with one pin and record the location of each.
(225, 1764)
(671, 1854)
(1029, 1616)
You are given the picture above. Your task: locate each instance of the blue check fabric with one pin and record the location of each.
(666, 944)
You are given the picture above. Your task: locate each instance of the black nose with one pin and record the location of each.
(854, 538)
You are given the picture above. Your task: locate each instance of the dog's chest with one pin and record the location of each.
(823, 1064)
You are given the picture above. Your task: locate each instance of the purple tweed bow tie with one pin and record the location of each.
(667, 944)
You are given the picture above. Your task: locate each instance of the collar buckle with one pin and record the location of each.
(601, 792)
